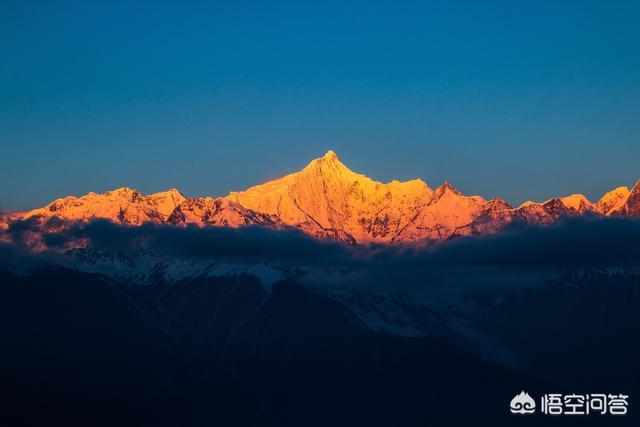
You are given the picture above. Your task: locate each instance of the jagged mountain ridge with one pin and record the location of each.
(124, 205)
(328, 200)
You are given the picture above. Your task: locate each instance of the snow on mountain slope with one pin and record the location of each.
(124, 205)
(445, 211)
(381, 311)
(550, 210)
(149, 267)
(577, 202)
(217, 212)
(631, 204)
(544, 213)
(613, 200)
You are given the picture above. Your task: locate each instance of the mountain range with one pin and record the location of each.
(180, 325)
(328, 200)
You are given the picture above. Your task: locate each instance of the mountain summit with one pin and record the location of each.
(326, 197)
(328, 200)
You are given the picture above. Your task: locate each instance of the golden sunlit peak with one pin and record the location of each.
(172, 191)
(331, 155)
(575, 201)
(447, 187)
(330, 158)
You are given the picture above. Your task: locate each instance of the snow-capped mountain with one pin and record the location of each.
(124, 205)
(630, 204)
(613, 200)
(328, 200)
(326, 195)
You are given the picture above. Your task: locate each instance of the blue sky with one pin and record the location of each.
(521, 99)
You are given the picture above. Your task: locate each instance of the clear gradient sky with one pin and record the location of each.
(521, 99)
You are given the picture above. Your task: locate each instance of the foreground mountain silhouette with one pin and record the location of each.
(328, 200)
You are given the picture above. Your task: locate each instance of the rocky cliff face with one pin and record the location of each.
(328, 200)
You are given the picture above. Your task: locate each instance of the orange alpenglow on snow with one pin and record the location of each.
(612, 201)
(328, 200)
(124, 205)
